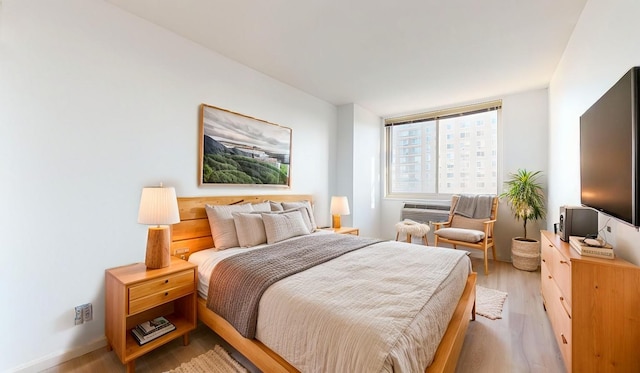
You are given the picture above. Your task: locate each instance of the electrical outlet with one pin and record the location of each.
(78, 320)
(87, 312)
(609, 228)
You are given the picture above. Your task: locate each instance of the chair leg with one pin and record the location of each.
(426, 240)
(493, 249)
(486, 262)
(408, 238)
(397, 235)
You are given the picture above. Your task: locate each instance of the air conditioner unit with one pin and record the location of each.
(426, 212)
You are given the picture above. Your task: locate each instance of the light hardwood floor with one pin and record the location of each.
(519, 342)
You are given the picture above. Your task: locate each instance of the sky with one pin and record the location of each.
(224, 125)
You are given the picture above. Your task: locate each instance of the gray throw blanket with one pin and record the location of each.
(474, 206)
(238, 282)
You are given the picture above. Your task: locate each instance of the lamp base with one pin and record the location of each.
(336, 221)
(158, 247)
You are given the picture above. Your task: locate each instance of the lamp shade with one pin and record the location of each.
(158, 206)
(339, 205)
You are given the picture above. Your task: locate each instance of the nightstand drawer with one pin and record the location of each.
(161, 284)
(161, 290)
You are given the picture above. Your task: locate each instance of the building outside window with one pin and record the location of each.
(444, 159)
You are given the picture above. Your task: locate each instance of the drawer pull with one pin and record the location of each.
(564, 262)
(165, 294)
(550, 277)
(166, 281)
(564, 307)
(564, 340)
(544, 260)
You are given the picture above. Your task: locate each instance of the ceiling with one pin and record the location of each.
(390, 57)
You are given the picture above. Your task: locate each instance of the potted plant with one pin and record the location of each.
(526, 199)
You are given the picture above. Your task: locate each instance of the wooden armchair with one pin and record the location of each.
(475, 233)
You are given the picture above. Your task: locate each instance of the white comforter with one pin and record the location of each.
(383, 308)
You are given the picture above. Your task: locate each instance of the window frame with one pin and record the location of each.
(436, 115)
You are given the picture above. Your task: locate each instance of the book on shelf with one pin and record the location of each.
(141, 336)
(142, 339)
(605, 251)
(156, 331)
(153, 325)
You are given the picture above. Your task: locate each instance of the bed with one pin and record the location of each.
(193, 236)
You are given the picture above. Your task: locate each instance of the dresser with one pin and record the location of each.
(594, 308)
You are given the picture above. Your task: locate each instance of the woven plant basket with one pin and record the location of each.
(525, 253)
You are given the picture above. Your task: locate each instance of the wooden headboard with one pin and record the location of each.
(193, 232)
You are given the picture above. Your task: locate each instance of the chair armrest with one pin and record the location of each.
(440, 224)
(488, 228)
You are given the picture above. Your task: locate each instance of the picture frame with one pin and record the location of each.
(236, 149)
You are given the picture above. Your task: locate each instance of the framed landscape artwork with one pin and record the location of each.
(241, 150)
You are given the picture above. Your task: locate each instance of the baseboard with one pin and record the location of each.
(56, 358)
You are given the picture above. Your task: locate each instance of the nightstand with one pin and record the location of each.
(344, 230)
(135, 294)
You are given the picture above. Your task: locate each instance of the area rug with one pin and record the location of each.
(489, 302)
(213, 361)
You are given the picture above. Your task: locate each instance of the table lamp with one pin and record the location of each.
(339, 206)
(158, 208)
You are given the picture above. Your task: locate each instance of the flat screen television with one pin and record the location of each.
(609, 151)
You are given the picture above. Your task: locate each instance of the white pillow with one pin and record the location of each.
(262, 206)
(276, 206)
(223, 229)
(279, 227)
(250, 229)
(307, 205)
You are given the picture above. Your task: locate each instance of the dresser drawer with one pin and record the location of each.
(559, 268)
(163, 289)
(546, 253)
(559, 315)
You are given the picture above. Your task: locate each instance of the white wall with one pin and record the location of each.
(94, 105)
(525, 121)
(523, 145)
(343, 166)
(603, 47)
(358, 167)
(366, 172)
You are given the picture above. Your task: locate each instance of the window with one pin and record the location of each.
(443, 144)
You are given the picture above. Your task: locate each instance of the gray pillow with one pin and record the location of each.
(279, 227)
(303, 212)
(276, 206)
(305, 204)
(250, 229)
(460, 234)
(223, 229)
